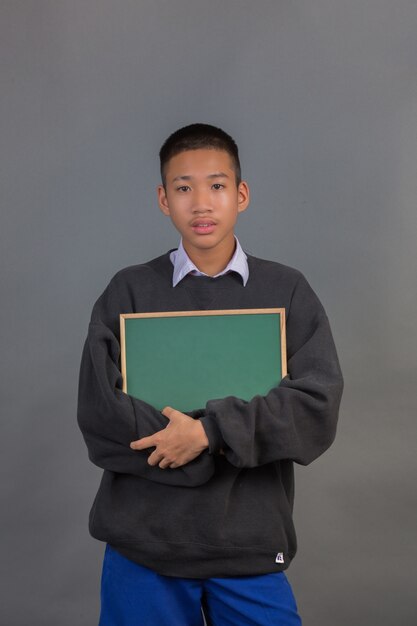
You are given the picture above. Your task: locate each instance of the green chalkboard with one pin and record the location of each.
(185, 358)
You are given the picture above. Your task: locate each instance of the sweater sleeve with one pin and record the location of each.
(297, 419)
(110, 419)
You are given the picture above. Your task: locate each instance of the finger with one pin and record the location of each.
(171, 413)
(142, 444)
(155, 458)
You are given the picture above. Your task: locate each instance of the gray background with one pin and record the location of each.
(321, 97)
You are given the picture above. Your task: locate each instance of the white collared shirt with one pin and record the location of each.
(183, 264)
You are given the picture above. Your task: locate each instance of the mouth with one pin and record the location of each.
(203, 227)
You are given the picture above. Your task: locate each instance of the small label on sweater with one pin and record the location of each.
(279, 558)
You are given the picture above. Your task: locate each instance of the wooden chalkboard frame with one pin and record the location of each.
(281, 336)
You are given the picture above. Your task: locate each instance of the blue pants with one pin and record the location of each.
(132, 595)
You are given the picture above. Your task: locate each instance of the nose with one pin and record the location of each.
(201, 201)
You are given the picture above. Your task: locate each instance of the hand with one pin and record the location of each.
(180, 442)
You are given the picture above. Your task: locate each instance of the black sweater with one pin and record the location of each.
(222, 514)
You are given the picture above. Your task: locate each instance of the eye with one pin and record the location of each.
(218, 186)
(183, 188)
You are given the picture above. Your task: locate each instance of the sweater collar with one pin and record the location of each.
(183, 264)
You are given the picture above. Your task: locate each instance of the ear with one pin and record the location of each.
(163, 200)
(243, 196)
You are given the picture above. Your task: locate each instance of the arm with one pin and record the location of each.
(297, 419)
(110, 419)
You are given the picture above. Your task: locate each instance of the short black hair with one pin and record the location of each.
(195, 137)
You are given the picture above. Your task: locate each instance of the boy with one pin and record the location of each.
(196, 509)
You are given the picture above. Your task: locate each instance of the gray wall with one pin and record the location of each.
(322, 99)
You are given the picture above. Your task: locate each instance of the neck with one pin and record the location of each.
(212, 262)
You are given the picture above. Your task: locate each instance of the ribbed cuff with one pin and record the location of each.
(214, 436)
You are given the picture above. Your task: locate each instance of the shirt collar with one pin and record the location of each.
(183, 264)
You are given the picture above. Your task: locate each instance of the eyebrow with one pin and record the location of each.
(210, 176)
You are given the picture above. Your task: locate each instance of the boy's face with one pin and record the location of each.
(203, 201)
